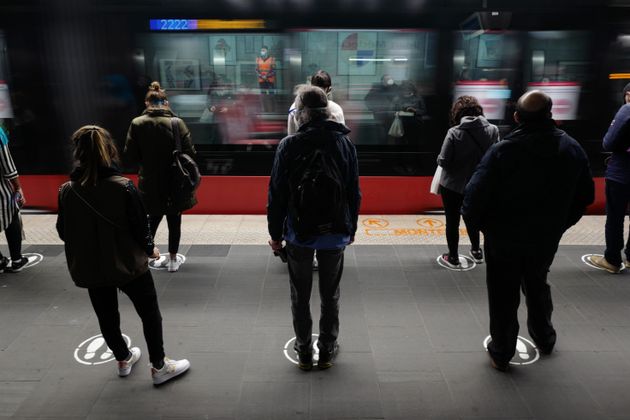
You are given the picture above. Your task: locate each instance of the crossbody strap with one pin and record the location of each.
(176, 135)
(98, 213)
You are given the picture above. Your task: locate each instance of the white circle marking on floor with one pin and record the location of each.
(586, 259)
(526, 351)
(33, 259)
(94, 351)
(290, 353)
(466, 263)
(160, 263)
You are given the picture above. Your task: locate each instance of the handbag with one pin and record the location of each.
(185, 175)
(435, 183)
(396, 129)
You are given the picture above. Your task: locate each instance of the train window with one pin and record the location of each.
(559, 65)
(379, 77)
(230, 88)
(485, 66)
(238, 88)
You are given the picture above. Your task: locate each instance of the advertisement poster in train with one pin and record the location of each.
(356, 53)
(180, 74)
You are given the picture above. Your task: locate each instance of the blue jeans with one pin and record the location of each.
(330, 268)
(617, 199)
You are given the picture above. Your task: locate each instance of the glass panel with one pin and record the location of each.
(559, 65)
(376, 76)
(484, 66)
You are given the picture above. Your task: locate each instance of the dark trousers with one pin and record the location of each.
(452, 209)
(142, 293)
(13, 232)
(174, 222)
(617, 199)
(300, 262)
(506, 275)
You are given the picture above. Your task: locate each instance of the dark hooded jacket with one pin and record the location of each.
(150, 143)
(334, 135)
(529, 188)
(105, 230)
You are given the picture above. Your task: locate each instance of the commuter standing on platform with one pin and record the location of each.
(526, 192)
(464, 146)
(313, 205)
(321, 79)
(108, 240)
(11, 200)
(617, 141)
(150, 143)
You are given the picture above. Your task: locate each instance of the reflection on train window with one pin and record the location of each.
(378, 77)
(238, 88)
(485, 66)
(559, 65)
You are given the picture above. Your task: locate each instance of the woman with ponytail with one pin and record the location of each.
(150, 143)
(108, 241)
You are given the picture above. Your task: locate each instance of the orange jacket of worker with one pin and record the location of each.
(266, 67)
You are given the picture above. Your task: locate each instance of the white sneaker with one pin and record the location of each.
(173, 264)
(171, 369)
(124, 367)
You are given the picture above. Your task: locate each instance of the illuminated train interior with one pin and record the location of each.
(60, 69)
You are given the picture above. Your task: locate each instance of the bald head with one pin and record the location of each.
(533, 106)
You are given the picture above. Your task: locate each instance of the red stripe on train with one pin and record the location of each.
(248, 194)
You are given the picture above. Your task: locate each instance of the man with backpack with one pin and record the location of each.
(313, 205)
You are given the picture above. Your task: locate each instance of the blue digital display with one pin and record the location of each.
(173, 24)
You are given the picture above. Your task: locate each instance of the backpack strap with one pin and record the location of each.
(176, 135)
(472, 136)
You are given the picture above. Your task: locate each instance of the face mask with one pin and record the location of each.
(390, 82)
(263, 53)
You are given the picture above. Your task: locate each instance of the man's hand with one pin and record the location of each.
(275, 245)
(156, 253)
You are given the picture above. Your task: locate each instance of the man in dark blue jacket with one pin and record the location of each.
(314, 213)
(526, 192)
(617, 141)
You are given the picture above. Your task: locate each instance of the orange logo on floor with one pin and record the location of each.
(429, 227)
(375, 223)
(429, 223)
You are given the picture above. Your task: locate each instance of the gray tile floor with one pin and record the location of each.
(411, 343)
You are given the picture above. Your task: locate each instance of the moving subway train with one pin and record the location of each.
(231, 74)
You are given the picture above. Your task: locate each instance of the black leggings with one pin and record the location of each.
(174, 222)
(13, 232)
(452, 209)
(142, 293)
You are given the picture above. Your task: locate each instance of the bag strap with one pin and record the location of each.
(98, 213)
(176, 135)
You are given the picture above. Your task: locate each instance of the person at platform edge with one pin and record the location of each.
(617, 141)
(526, 192)
(313, 204)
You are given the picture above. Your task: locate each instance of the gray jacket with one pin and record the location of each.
(462, 150)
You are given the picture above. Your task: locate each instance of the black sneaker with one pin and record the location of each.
(326, 358)
(477, 255)
(305, 361)
(17, 266)
(450, 262)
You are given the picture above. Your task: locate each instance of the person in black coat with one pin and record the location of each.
(526, 192)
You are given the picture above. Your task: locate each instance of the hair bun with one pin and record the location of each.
(155, 86)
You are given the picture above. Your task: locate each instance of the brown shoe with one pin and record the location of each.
(600, 261)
